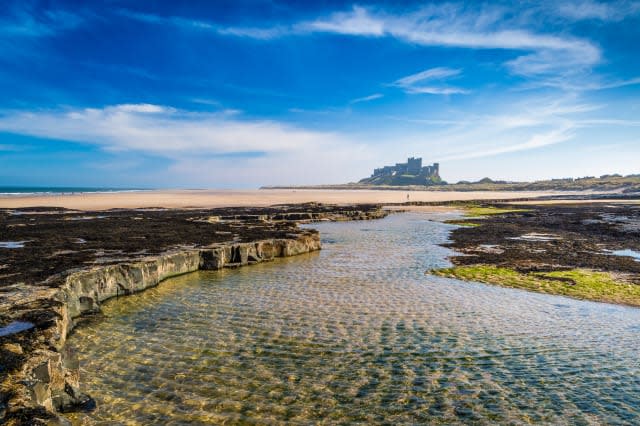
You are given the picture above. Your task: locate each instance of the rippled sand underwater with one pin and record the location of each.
(358, 334)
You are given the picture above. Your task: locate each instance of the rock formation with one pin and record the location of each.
(40, 375)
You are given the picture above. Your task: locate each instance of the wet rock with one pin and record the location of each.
(14, 348)
(553, 237)
(72, 400)
(42, 372)
(41, 394)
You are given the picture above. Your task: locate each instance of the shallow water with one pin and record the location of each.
(15, 327)
(358, 334)
(628, 252)
(12, 244)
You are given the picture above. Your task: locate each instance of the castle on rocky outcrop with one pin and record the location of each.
(410, 173)
(413, 166)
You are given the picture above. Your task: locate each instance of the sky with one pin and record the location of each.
(240, 94)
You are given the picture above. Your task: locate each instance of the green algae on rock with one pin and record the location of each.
(576, 283)
(557, 249)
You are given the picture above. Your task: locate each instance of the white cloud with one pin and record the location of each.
(257, 33)
(452, 25)
(591, 83)
(315, 165)
(165, 130)
(356, 22)
(446, 25)
(410, 83)
(200, 145)
(200, 25)
(144, 108)
(206, 148)
(524, 126)
(589, 9)
(430, 74)
(431, 90)
(609, 122)
(536, 140)
(367, 98)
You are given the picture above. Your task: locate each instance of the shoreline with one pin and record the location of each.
(40, 375)
(194, 199)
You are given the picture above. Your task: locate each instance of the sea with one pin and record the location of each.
(8, 191)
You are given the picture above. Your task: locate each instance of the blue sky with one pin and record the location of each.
(248, 93)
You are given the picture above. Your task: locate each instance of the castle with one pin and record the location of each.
(413, 166)
(410, 173)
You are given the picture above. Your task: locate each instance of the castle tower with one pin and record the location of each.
(414, 165)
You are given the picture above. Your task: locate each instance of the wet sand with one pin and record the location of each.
(250, 198)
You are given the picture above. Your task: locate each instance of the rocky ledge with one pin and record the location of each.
(586, 251)
(57, 266)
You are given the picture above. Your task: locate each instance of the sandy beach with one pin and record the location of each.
(248, 198)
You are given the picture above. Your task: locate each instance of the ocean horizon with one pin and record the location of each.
(61, 190)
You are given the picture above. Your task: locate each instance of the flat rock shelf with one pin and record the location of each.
(70, 262)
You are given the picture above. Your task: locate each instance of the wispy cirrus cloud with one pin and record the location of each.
(452, 25)
(367, 98)
(202, 25)
(590, 9)
(430, 74)
(23, 27)
(23, 22)
(357, 22)
(538, 139)
(422, 82)
(524, 126)
(432, 90)
(593, 83)
(446, 25)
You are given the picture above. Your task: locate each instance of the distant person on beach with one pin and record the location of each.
(407, 197)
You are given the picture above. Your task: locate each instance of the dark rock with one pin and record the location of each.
(72, 400)
(581, 235)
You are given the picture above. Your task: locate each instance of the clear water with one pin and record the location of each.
(358, 334)
(15, 327)
(627, 252)
(12, 244)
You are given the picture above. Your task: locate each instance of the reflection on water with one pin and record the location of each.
(358, 334)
